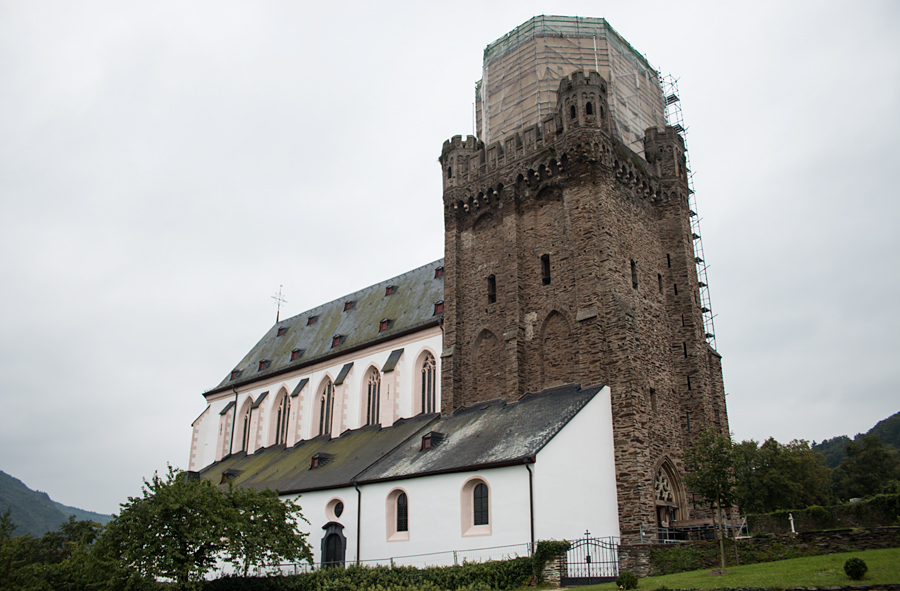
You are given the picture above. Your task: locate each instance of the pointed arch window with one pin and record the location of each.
(373, 397)
(326, 405)
(429, 375)
(281, 419)
(245, 434)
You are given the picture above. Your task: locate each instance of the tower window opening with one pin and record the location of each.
(675, 285)
(659, 278)
(545, 269)
(684, 346)
(589, 108)
(491, 289)
(683, 321)
(689, 382)
(572, 112)
(652, 400)
(634, 276)
(668, 260)
(449, 172)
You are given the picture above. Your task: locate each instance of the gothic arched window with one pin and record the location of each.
(429, 375)
(281, 419)
(326, 404)
(373, 397)
(245, 436)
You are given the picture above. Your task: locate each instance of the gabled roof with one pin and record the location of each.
(287, 470)
(409, 307)
(485, 435)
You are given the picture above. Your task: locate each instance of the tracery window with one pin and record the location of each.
(373, 397)
(281, 419)
(326, 405)
(663, 487)
(429, 374)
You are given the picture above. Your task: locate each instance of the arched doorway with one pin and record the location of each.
(334, 545)
(669, 498)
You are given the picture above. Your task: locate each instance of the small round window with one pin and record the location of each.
(334, 509)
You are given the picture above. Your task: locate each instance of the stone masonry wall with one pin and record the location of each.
(569, 259)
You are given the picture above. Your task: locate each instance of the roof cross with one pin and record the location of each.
(279, 300)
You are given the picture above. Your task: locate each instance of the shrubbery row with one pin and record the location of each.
(483, 576)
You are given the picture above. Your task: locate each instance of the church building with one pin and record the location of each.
(545, 376)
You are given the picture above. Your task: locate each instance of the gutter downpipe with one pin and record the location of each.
(231, 443)
(358, 518)
(530, 498)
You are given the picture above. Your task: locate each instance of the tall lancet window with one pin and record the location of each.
(428, 383)
(245, 436)
(281, 419)
(326, 404)
(373, 397)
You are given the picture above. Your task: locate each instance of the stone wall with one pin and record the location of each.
(570, 259)
(659, 559)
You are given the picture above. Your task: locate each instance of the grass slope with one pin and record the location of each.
(816, 571)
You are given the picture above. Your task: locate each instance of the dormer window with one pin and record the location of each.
(431, 440)
(281, 331)
(439, 307)
(439, 272)
(227, 475)
(319, 460)
(336, 340)
(383, 325)
(311, 320)
(390, 289)
(349, 305)
(295, 354)
(235, 374)
(264, 364)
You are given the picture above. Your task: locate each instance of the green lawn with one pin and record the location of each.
(816, 571)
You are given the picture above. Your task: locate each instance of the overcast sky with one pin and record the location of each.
(165, 166)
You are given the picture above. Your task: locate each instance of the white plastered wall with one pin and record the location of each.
(435, 523)
(314, 508)
(399, 390)
(575, 477)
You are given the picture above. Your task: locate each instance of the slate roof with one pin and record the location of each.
(287, 470)
(484, 435)
(409, 307)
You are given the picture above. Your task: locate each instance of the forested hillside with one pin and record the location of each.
(835, 449)
(34, 512)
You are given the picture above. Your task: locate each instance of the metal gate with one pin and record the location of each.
(591, 560)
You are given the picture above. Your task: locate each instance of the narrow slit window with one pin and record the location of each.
(669, 260)
(545, 269)
(675, 285)
(491, 289)
(652, 399)
(659, 278)
(689, 382)
(684, 346)
(634, 275)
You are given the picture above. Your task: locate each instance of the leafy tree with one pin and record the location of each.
(710, 474)
(774, 476)
(180, 527)
(263, 530)
(868, 468)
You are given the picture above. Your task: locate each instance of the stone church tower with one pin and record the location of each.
(569, 258)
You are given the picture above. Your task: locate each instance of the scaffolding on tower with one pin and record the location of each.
(675, 118)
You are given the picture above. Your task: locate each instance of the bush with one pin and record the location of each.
(546, 551)
(820, 515)
(673, 559)
(627, 580)
(855, 568)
